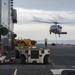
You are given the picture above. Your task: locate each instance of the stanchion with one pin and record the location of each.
(45, 42)
(0, 50)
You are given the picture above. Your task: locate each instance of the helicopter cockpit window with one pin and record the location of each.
(59, 26)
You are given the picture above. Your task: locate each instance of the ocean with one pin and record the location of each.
(58, 42)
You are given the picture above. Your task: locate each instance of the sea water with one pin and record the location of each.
(58, 41)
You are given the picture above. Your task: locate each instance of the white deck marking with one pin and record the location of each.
(15, 72)
(53, 63)
(58, 71)
(2, 58)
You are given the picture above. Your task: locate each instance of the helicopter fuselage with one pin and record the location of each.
(56, 29)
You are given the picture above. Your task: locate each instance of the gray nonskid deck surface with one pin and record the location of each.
(7, 71)
(62, 57)
(27, 69)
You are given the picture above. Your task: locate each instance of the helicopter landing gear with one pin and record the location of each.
(50, 31)
(59, 35)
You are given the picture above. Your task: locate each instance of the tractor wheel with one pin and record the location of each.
(46, 59)
(23, 59)
(17, 54)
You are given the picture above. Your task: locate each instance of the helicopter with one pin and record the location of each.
(56, 29)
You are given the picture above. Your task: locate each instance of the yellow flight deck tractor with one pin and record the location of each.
(35, 55)
(24, 42)
(20, 43)
(31, 54)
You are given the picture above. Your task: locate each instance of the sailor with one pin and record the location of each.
(45, 42)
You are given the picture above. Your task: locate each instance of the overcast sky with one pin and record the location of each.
(55, 10)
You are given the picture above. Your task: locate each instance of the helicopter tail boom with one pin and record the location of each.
(63, 33)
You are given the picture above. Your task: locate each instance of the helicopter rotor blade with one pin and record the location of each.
(67, 22)
(54, 22)
(43, 21)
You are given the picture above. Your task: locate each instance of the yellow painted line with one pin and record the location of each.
(15, 72)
